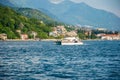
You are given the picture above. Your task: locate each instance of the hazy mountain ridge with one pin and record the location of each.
(81, 13)
(37, 14)
(46, 12)
(75, 13)
(7, 2)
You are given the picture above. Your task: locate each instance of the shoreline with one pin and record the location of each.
(31, 40)
(11, 40)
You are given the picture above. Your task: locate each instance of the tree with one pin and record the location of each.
(82, 36)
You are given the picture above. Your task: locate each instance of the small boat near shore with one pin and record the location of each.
(70, 41)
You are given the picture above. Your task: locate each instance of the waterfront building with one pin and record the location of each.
(24, 36)
(3, 36)
(57, 31)
(110, 37)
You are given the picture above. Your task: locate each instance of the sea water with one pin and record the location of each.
(95, 60)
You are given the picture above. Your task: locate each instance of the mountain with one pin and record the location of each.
(12, 21)
(49, 14)
(36, 14)
(7, 2)
(74, 13)
(26, 3)
(85, 15)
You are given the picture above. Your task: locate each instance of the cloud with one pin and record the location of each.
(59, 1)
(77, 1)
(56, 1)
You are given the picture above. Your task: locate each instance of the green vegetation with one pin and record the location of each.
(26, 21)
(36, 14)
(11, 21)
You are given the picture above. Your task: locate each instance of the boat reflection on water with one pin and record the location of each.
(70, 41)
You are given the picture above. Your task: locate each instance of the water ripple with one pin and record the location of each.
(47, 61)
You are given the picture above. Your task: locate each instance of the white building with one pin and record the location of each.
(24, 36)
(3, 36)
(110, 37)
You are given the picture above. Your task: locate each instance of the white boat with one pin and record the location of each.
(70, 41)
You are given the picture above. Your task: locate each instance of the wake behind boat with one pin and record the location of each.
(70, 41)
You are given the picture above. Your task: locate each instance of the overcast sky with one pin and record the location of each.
(109, 5)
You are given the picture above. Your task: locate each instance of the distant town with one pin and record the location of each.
(18, 26)
(59, 32)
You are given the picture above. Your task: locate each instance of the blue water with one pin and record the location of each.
(95, 60)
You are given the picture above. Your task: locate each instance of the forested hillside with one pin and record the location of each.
(33, 13)
(11, 21)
